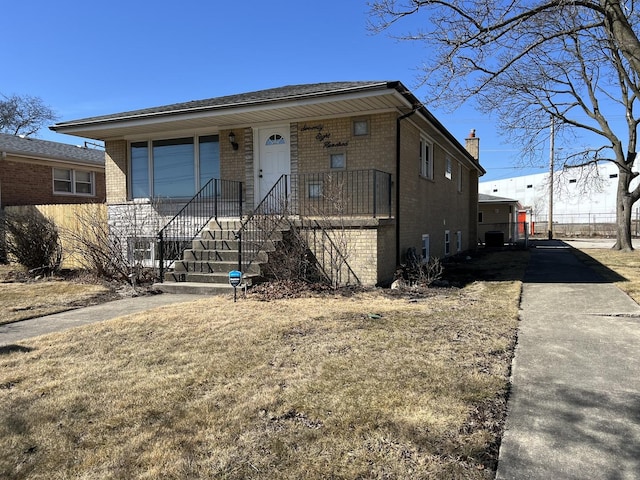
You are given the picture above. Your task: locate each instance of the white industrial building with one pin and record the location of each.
(584, 199)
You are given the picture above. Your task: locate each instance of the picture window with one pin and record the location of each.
(173, 168)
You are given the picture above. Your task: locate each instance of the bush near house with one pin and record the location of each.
(32, 240)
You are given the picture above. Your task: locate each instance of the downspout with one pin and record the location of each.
(398, 120)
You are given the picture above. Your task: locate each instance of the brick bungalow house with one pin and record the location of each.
(362, 160)
(38, 172)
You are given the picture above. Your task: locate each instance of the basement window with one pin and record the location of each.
(141, 251)
(426, 252)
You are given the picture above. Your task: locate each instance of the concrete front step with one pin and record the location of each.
(221, 278)
(228, 245)
(219, 256)
(221, 266)
(197, 288)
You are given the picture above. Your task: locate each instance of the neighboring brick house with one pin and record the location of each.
(38, 172)
(403, 181)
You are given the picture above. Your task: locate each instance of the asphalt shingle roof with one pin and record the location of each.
(289, 92)
(33, 147)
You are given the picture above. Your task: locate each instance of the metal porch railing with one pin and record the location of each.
(258, 228)
(216, 199)
(344, 192)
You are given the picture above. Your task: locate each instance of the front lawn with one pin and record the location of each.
(371, 385)
(22, 297)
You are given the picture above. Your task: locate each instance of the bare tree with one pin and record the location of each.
(24, 115)
(576, 63)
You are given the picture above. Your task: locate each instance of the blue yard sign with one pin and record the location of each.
(235, 279)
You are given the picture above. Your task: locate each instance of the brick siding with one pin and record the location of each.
(28, 183)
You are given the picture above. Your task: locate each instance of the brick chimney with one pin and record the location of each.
(472, 144)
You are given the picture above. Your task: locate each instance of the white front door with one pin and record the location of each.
(274, 158)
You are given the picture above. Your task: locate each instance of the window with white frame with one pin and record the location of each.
(141, 251)
(173, 168)
(426, 248)
(448, 167)
(426, 158)
(458, 241)
(447, 243)
(73, 182)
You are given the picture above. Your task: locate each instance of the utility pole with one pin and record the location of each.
(551, 160)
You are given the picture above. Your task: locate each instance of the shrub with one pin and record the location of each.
(416, 271)
(33, 241)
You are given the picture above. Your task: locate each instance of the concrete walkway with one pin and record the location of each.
(574, 409)
(34, 327)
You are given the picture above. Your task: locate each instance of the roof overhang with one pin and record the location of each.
(217, 117)
(247, 110)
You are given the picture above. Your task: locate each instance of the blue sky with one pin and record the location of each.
(86, 58)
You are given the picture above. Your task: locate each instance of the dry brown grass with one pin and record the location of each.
(368, 386)
(612, 265)
(23, 300)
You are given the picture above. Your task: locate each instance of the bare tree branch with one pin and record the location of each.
(24, 115)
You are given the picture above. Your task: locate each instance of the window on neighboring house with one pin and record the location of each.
(459, 177)
(613, 175)
(530, 186)
(426, 158)
(426, 252)
(338, 161)
(448, 167)
(479, 217)
(458, 241)
(447, 242)
(174, 168)
(73, 182)
(573, 180)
